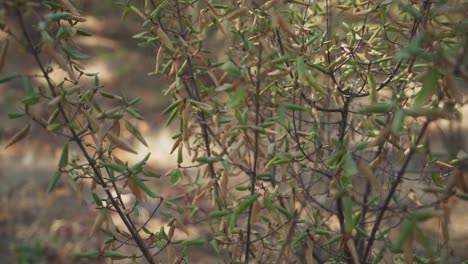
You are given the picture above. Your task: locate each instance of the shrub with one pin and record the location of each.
(298, 122)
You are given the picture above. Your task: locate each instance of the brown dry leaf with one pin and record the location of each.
(309, 257)
(408, 249)
(212, 9)
(170, 234)
(363, 12)
(238, 13)
(352, 249)
(139, 195)
(365, 170)
(70, 7)
(159, 58)
(203, 106)
(461, 182)
(3, 51)
(452, 88)
(116, 128)
(277, 21)
(181, 226)
(176, 145)
(136, 133)
(120, 143)
(97, 224)
(164, 39)
(59, 59)
(24, 132)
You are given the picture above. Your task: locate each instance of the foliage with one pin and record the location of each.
(292, 115)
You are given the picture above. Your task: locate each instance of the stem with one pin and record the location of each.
(201, 114)
(89, 159)
(392, 191)
(253, 175)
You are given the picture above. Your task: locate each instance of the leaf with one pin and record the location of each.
(3, 52)
(405, 232)
(23, 133)
(219, 213)
(244, 205)
(164, 39)
(215, 246)
(372, 88)
(88, 255)
(350, 165)
(64, 157)
(236, 99)
(294, 107)
(135, 132)
(175, 177)
(9, 77)
(232, 70)
(171, 107)
(133, 113)
(429, 88)
(378, 108)
(114, 255)
(365, 171)
(398, 119)
(408, 8)
(74, 54)
(14, 115)
(194, 242)
(143, 187)
(120, 143)
(53, 182)
(348, 214)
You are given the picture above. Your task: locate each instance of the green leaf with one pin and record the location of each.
(133, 113)
(219, 213)
(294, 107)
(422, 215)
(398, 119)
(114, 255)
(378, 108)
(194, 242)
(143, 187)
(84, 33)
(74, 54)
(232, 70)
(429, 88)
(58, 16)
(215, 246)
(54, 181)
(97, 199)
(9, 77)
(175, 177)
(350, 165)
(372, 88)
(236, 99)
(171, 107)
(14, 115)
(408, 8)
(348, 213)
(405, 232)
(64, 157)
(244, 205)
(88, 255)
(28, 85)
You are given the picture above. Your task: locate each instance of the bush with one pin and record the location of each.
(298, 122)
